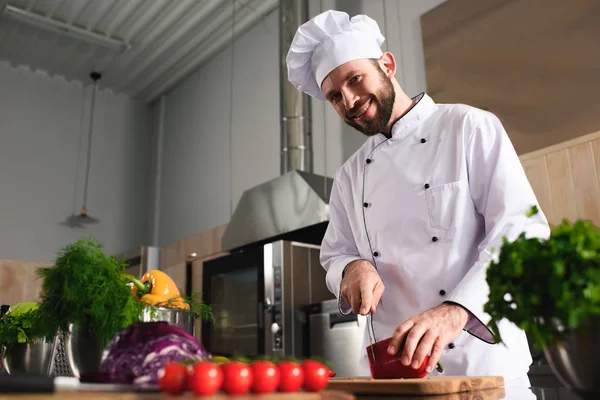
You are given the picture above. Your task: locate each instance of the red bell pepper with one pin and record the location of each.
(385, 366)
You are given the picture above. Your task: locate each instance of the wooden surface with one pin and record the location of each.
(566, 179)
(202, 244)
(532, 63)
(435, 385)
(325, 395)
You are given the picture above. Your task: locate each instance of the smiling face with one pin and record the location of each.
(362, 94)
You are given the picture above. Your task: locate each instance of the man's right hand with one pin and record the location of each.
(362, 287)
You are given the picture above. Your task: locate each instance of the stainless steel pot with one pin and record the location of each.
(84, 354)
(184, 319)
(33, 358)
(82, 351)
(576, 360)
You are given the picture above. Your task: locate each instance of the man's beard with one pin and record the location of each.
(383, 100)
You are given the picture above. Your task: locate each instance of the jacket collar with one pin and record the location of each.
(424, 108)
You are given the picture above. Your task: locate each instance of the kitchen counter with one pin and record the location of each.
(535, 393)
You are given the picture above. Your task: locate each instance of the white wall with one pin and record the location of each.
(43, 144)
(219, 141)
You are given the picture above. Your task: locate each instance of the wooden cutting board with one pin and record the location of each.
(434, 385)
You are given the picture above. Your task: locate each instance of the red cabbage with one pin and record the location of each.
(137, 353)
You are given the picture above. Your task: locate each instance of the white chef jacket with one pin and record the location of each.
(426, 207)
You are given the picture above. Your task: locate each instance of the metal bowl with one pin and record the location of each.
(28, 358)
(84, 355)
(184, 319)
(576, 360)
(82, 351)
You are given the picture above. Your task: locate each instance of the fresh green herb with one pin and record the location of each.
(198, 308)
(546, 287)
(88, 288)
(19, 328)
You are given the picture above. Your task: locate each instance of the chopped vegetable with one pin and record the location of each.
(386, 366)
(137, 354)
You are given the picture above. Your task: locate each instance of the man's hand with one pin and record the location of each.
(362, 287)
(428, 333)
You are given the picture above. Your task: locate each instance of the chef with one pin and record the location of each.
(418, 212)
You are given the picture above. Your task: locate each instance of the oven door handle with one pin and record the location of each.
(261, 315)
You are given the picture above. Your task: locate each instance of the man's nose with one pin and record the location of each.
(350, 99)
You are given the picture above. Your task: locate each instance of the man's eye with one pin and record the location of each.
(355, 78)
(334, 97)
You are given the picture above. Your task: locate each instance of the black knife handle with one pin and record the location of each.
(26, 383)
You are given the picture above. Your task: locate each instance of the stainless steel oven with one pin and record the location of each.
(258, 294)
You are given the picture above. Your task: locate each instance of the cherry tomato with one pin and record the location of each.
(331, 373)
(316, 375)
(205, 378)
(291, 376)
(237, 377)
(172, 378)
(266, 377)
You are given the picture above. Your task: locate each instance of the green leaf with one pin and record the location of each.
(553, 283)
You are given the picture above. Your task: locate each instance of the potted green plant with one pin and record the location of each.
(85, 297)
(22, 346)
(550, 288)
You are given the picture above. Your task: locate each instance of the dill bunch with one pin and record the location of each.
(88, 288)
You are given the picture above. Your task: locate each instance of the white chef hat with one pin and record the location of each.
(327, 41)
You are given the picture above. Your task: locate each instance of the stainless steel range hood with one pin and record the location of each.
(293, 206)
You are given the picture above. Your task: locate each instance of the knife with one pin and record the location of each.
(371, 337)
(30, 383)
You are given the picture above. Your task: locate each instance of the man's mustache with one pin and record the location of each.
(354, 110)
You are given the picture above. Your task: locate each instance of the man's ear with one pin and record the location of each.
(388, 64)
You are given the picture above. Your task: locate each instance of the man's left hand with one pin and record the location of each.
(428, 333)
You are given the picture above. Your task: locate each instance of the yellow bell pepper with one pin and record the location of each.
(157, 289)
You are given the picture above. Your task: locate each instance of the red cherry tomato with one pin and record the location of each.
(172, 378)
(265, 377)
(205, 378)
(331, 373)
(316, 375)
(291, 376)
(237, 377)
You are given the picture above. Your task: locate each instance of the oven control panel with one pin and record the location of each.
(276, 326)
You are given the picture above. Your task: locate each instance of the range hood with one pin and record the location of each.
(293, 206)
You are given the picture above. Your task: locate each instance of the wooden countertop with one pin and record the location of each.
(325, 395)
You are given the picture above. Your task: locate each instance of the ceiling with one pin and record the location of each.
(532, 63)
(154, 43)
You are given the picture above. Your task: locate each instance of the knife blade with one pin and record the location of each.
(371, 338)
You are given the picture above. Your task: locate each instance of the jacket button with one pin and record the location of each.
(451, 346)
(365, 204)
(369, 161)
(427, 186)
(442, 292)
(423, 140)
(375, 254)
(434, 239)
